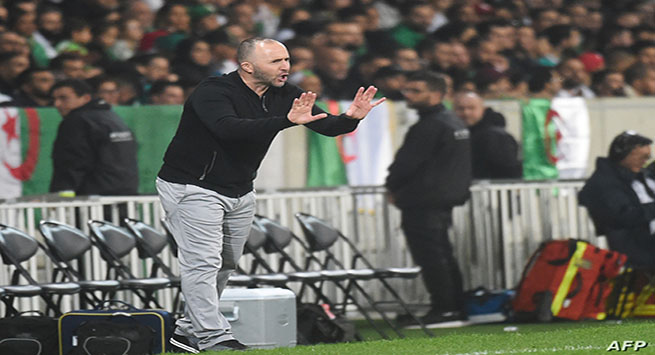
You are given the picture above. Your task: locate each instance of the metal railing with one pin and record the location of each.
(493, 234)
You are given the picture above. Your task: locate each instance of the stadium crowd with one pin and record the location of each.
(156, 51)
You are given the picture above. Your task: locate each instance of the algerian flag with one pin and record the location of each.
(368, 151)
(555, 138)
(324, 164)
(19, 149)
(27, 136)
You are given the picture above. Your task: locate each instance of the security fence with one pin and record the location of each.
(493, 234)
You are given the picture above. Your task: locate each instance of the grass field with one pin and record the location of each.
(559, 337)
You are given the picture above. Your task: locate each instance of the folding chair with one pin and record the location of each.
(16, 247)
(321, 237)
(66, 244)
(279, 237)
(114, 243)
(8, 293)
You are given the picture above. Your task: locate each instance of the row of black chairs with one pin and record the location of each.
(319, 266)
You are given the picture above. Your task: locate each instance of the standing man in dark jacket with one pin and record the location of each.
(494, 152)
(94, 152)
(620, 198)
(206, 182)
(430, 175)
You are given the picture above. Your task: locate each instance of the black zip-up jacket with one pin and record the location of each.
(432, 169)
(617, 212)
(94, 153)
(226, 129)
(494, 151)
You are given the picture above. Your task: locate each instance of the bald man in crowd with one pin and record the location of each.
(206, 182)
(494, 152)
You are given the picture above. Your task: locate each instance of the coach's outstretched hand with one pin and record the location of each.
(361, 104)
(301, 109)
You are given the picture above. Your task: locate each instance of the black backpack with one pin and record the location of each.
(107, 337)
(315, 326)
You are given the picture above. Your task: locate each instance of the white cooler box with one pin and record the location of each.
(261, 317)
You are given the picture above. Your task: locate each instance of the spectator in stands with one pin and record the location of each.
(407, 59)
(415, 25)
(575, 79)
(348, 35)
(645, 52)
(50, 23)
(223, 50)
(173, 25)
(390, 81)
(211, 213)
(127, 43)
(431, 174)
(141, 12)
(619, 198)
(71, 66)
(107, 89)
(494, 152)
(12, 64)
(33, 88)
(641, 79)
(94, 152)
(166, 93)
(544, 82)
(333, 66)
(78, 34)
(611, 83)
(13, 42)
(302, 57)
(192, 60)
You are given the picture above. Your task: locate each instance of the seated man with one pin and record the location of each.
(620, 199)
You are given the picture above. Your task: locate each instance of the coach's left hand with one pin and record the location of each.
(361, 104)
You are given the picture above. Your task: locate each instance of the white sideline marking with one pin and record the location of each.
(532, 350)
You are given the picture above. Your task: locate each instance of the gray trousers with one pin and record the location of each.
(210, 230)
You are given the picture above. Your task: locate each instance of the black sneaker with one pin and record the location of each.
(181, 344)
(433, 320)
(231, 344)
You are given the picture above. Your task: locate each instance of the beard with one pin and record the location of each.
(262, 77)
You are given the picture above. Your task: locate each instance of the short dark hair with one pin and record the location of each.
(26, 76)
(80, 87)
(624, 143)
(159, 86)
(435, 81)
(248, 46)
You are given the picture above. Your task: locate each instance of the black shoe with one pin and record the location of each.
(231, 344)
(181, 344)
(432, 320)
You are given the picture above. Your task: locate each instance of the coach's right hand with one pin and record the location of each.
(301, 110)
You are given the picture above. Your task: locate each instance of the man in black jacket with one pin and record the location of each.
(94, 152)
(494, 152)
(206, 182)
(620, 198)
(430, 175)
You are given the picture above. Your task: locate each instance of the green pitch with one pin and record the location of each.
(559, 337)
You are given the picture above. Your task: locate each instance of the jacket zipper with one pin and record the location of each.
(208, 167)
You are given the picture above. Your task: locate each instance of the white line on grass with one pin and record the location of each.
(532, 350)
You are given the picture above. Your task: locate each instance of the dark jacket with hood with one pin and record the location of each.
(494, 151)
(226, 129)
(94, 153)
(432, 169)
(617, 212)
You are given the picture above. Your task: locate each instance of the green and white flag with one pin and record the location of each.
(555, 138)
(27, 136)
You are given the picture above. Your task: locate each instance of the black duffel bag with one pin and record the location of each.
(109, 337)
(29, 335)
